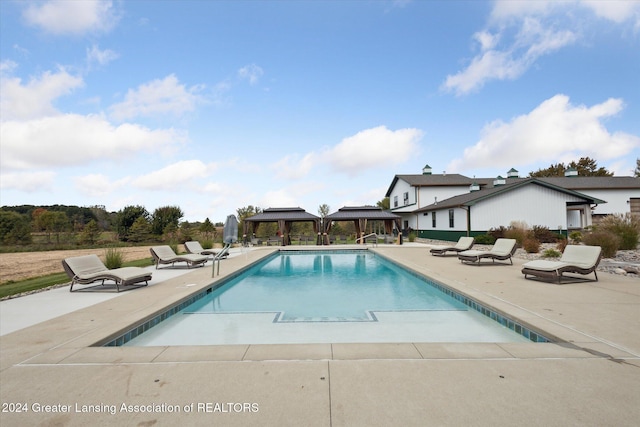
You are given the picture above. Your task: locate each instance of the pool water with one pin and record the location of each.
(319, 297)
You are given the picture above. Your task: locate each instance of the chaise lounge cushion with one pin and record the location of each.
(575, 259)
(88, 269)
(503, 249)
(165, 255)
(463, 244)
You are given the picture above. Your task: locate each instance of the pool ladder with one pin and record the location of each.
(366, 237)
(223, 253)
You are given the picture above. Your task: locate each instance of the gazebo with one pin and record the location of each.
(360, 215)
(284, 217)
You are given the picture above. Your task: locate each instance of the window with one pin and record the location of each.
(450, 218)
(433, 219)
(395, 201)
(406, 198)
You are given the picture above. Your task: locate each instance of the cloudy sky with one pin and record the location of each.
(216, 105)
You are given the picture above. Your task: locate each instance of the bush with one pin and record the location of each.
(562, 243)
(113, 258)
(544, 235)
(517, 230)
(531, 245)
(485, 239)
(207, 243)
(551, 253)
(575, 237)
(609, 242)
(412, 236)
(626, 227)
(497, 233)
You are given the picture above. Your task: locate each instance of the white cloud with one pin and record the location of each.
(28, 182)
(252, 73)
(166, 96)
(98, 185)
(175, 176)
(72, 17)
(372, 148)
(73, 139)
(278, 198)
(101, 57)
(554, 131)
(539, 28)
(294, 167)
(34, 99)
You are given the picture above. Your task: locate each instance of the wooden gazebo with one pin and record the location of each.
(284, 217)
(360, 215)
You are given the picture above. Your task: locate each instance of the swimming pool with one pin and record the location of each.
(320, 296)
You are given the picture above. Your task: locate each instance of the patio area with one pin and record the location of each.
(51, 374)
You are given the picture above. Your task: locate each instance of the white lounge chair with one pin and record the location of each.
(464, 244)
(575, 259)
(194, 247)
(87, 269)
(166, 255)
(503, 249)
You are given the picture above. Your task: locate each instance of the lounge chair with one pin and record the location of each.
(87, 269)
(165, 255)
(502, 250)
(194, 247)
(575, 259)
(464, 244)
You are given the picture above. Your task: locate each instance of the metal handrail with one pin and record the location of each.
(218, 257)
(368, 235)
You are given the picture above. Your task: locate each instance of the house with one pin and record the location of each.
(446, 206)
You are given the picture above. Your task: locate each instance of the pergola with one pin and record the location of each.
(360, 215)
(284, 217)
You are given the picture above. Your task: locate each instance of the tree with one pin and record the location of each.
(323, 210)
(244, 213)
(54, 222)
(90, 233)
(385, 204)
(14, 228)
(585, 167)
(140, 230)
(126, 217)
(208, 229)
(637, 172)
(166, 218)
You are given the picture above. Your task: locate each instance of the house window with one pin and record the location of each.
(406, 198)
(395, 201)
(450, 218)
(433, 219)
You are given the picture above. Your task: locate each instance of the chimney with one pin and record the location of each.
(512, 173)
(426, 170)
(571, 172)
(499, 181)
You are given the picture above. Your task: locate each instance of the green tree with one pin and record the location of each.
(126, 217)
(208, 229)
(140, 230)
(585, 167)
(90, 233)
(637, 172)
(385, 204)
(166, 216)
(244, 213)
(14, 228)
(54, 222)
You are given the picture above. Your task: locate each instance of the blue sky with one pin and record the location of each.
(216, 105)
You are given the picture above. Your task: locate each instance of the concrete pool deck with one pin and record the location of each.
(590, 377)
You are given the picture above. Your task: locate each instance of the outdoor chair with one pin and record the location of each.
(502, 250)
(575, 259)
(194, 247)
(166, 255)
(463, 244)
(87, 269)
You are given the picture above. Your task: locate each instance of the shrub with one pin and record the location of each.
(562, 243)
(113, 258)
(517, 230)
(485, 239)
(497, 233)
(544, 235)
(609, 242)
(551, 253)
(207, 243)
(626, 227)
(531, 245)
(575, 237)
(412, 236)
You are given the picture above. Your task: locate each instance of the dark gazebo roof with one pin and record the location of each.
(280, 214)
(353, 213)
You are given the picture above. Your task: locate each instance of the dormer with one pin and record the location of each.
(571, 172)
(474, 187)
(512, 173)
(426, 170)
(499, 181)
